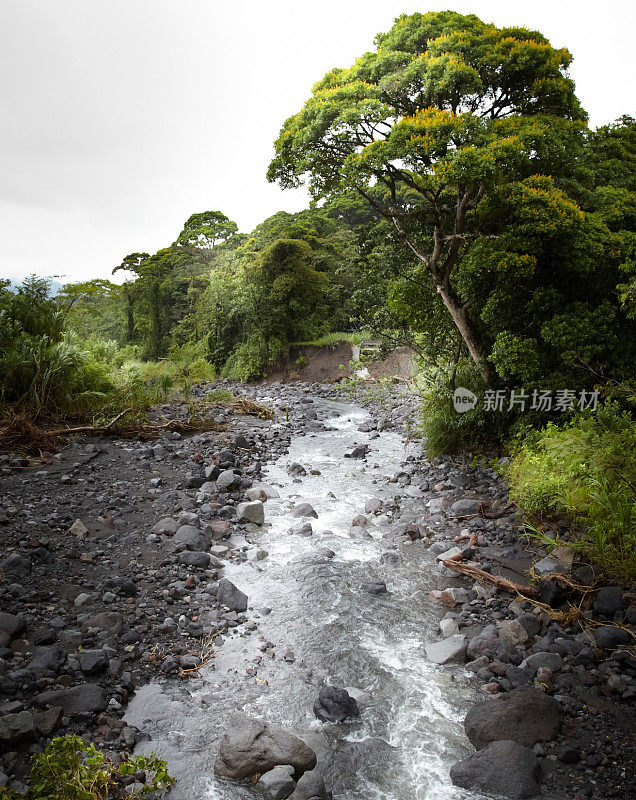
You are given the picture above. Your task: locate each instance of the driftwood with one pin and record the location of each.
(485, 577)
(89, 428)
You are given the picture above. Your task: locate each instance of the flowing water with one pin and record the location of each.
(410, 730)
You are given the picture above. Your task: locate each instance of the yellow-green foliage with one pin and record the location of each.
(71, 769)
(586, 471)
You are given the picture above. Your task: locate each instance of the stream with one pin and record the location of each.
(326, 629)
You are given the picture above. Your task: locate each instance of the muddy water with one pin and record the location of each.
(326, 629)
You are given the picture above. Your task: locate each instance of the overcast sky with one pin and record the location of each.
(120, 118)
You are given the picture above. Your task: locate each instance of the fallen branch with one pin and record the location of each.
(485, 577)
(90, 428)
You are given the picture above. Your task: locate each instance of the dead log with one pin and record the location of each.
(485, 577)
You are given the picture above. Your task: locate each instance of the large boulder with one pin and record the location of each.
(85, 697)
(335, 705)
(504, 768)
(251, 746)
(524, 715)
(228, 595)
(46, 661)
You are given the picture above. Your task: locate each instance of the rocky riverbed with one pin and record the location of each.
(290, 571)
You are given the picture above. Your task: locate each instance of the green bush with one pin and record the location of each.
(71, 769)
(586, 471)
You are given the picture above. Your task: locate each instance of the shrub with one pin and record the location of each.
(585, 470)
(71, 769)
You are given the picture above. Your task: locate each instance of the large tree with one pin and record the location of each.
(448, 116)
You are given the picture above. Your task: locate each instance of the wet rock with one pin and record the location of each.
(447, 651)
(374, 587)
(372, 505)
(311, 786)
(302, 529)
(303, 510)
(359, 451)
(454, 596)
(296, 470)
(86, 697)
(448, 627)
(523, 715)
(335, 705)
(228, 595)
(252, 511)
(504, 768)
(277, 783)
(251, 747)
(16, 727)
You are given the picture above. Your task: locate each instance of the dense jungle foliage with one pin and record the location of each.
(461, 206)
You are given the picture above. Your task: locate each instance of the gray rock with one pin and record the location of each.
(46, 661)
(335, 705)
(17, 565)
(93, 662)
(166, 527)
(251, 747)
(448, 627)
(195, 558)
(17, 727)
(228, 595)
(302, 529)
(462, 508)
(610, 637)
(551, 661)
(11, 624)
(504, 768)
(609, 602)
(524, 715)
(513, 632)
(303, 510)
(227, 479)
(359, 451)
(487, 643)
(109, 621)
(86, 697)
(311, 786)
(252, 511)
(452, 649)
(277, 783)
(82, 599)
(374, 587)
(372, 505)
(191, 537)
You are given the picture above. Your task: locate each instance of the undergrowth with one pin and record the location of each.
(71, 769)
(585, 471)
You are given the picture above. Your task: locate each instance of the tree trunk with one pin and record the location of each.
(465, 327)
